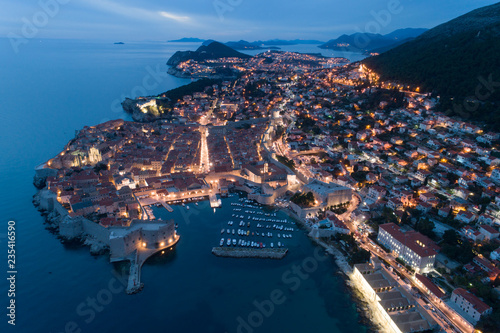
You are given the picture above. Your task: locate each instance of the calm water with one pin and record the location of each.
(52, 88)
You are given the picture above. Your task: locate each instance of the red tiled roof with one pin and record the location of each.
(489, 229)
(415, 241)
(430, 285)
(479, 305)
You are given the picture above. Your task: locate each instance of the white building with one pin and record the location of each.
(398, 310)
(415, 249)
(470, 305)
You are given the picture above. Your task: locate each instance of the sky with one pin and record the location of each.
(224, 20)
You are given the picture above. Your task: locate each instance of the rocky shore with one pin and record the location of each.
(54, 220)
(130, 106)
(362, 306)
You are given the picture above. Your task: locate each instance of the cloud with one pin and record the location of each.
(175, 17)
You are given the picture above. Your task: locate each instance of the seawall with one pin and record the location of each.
(235, 252)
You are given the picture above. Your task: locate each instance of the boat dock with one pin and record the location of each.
(214, 202)
(134, 279)
(167, 206)
(137, 259)
(238, 252)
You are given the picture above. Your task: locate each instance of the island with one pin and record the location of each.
(187, 40)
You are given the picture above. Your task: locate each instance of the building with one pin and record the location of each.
(470, 305)
(489, 233)
(141, 235)
(329, 194)
(430, 288)
(415, 249)
(396, 307)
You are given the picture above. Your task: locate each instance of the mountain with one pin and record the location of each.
(287, 42)
(187, 40)
(383, 49)
(367, 42)
(268, 44)
(458, 60)
(401, 34)
(214, 50)
(244, 45)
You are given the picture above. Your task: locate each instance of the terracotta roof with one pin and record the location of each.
(479, 305)
(415, 241)
(430, 285)
(489, 229)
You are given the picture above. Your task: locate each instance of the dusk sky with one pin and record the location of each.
(224, 20)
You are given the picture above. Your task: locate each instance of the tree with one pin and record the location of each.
(450, 237)
(425, 227)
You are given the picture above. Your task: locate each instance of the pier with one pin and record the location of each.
(214, 202)
(238, 252)
(137, 259)
(167, 206)
(134, 279)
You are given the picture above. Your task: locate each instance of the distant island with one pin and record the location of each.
(187, 40)
(372, 43)
(268, 44)
(271, 44)
(244, 45)
(119, 43)
(214, 50)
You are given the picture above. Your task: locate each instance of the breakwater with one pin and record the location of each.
(235, 252)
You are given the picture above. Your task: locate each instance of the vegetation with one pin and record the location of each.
(100, 166)
(457, 60)
(286, 161)
(455, 249)
(425, 227)
(188, 89)
(303, 199)
(214, 50)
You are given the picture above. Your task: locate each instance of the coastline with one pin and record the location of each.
(345, 272)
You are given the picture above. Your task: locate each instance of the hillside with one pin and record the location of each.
(213, 50)
(452, 60)
(367, 42)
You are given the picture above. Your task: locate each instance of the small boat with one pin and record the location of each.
(228, 242)
(234, 241)
(196, 203)
(187, 207)
(248, 225)
(279, 236)
(228, 231)
(222, 231)
(248, 233)
(233, 231)
(221, 242)
(272, 245)
(279, 244)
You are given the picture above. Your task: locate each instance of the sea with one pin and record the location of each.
(51, 88)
